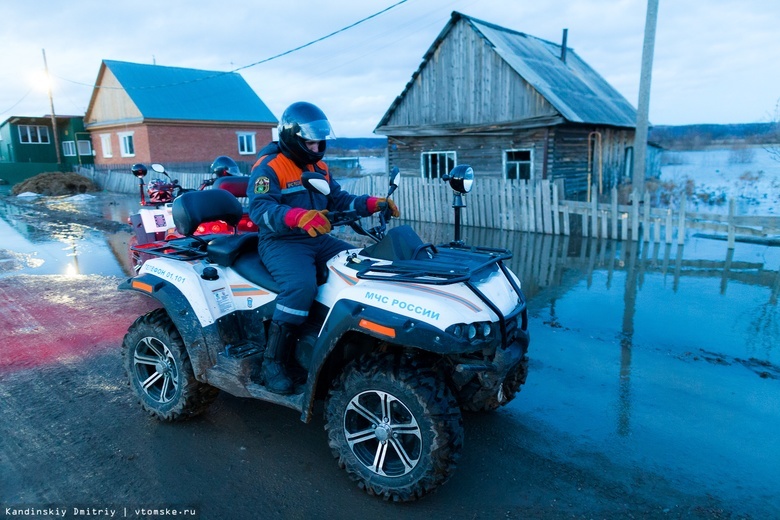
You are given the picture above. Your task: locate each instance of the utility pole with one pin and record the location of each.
(640, 138)
(53, 116)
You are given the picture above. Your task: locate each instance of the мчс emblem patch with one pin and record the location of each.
(261, 185)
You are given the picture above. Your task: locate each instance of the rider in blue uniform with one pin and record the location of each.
(293, 228)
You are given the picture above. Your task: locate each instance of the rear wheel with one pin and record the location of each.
(134, 256)
(160, 372)
(394, 425)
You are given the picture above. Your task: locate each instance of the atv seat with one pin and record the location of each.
(234, 184)
(193, 208)
(224, 249)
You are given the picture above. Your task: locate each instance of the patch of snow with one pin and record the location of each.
(29, 195)
(749, 175)
(82, 197)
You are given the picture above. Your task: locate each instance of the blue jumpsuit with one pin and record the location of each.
(290, 254)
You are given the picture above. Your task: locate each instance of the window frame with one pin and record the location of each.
(505, 162)
(69, 148)
(84, 147)
(126, 144)
(39, 135)
(105, 144)
(247, 138)
(426, 164)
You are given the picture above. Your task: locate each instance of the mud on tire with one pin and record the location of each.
(159, 370)
(474, 398)
(394, 426)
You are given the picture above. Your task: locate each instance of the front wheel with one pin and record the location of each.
(159, 369)
(394, 425)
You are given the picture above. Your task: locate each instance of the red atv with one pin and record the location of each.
(153, 224)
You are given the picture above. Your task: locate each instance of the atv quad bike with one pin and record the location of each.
(402, 337)
(154, 221)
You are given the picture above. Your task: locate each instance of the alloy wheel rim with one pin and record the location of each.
(155, 369)
(383, 433)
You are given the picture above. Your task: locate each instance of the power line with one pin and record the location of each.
(266, 60)
(12, 106)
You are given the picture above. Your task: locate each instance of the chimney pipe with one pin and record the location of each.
(563, 45)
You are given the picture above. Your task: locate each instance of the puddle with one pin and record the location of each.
(65, 235)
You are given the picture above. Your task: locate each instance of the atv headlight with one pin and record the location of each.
(478, 331)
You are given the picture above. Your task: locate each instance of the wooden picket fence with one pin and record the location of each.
(536, 207)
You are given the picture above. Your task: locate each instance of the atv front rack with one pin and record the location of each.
(454, 263)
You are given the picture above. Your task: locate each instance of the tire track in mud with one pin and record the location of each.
(58, 394)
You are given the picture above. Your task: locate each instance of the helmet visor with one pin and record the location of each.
(316, 130)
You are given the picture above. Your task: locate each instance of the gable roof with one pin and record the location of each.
(174, 93)
(572, 87)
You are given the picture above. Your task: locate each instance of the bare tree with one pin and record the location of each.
(774, 148)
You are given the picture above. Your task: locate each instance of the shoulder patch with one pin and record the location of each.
(262, 184)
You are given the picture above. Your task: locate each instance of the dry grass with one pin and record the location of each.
(55, 183)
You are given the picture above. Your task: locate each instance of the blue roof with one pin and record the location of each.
(174, 93)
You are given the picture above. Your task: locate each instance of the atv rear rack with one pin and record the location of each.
(186, 248)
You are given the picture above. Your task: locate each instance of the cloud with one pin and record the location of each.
(715, 61)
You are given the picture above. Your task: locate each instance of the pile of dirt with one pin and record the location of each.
(55, 183)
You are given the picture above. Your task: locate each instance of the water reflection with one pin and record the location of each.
(694, 301)
(34, 245)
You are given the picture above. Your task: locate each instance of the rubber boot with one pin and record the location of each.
(273, 371)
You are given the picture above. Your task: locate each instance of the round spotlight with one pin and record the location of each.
(461, 178)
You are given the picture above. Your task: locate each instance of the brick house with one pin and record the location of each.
(150, 113)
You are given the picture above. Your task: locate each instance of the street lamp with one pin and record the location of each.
(53, 117)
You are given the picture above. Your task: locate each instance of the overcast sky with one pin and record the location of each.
(716, 61)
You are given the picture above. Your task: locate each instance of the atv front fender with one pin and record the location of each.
(181, 313)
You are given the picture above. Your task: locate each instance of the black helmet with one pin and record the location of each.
(303, 122)
(224, 166)
(139, 170)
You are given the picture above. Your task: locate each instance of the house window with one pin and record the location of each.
(68, 148)
(85, 147)
(32, 134)
(246, 143)
(629, 163)
(105, 144)
(435, 165)
(518, 164)
(126, 146)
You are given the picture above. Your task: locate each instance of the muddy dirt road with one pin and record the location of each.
(602, 429)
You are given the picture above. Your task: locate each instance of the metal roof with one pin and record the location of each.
(174, 93)
(576, 91)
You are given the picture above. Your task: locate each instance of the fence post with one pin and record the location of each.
(614, 215)
(731, 227)
(681, 226)
(546, 210)
(634, 215)
(646, 218)
(594, 211)
(669, 226)
(556, 210)
(538, 207)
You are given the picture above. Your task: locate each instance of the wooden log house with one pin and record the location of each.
(512, 106)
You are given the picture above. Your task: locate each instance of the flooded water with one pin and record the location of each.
(31, 244)
(643, 355)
